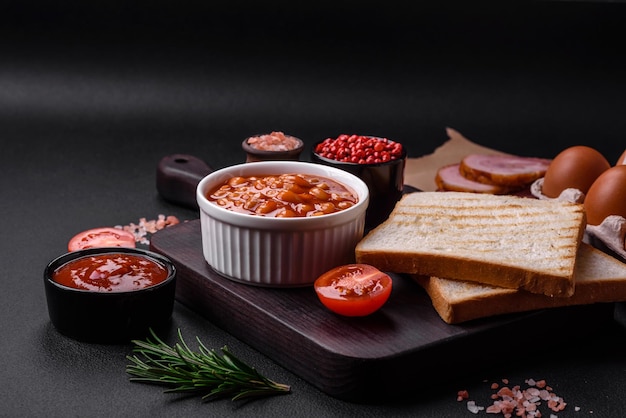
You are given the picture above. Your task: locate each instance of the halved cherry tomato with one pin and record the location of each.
(101, 237)
(353, 289)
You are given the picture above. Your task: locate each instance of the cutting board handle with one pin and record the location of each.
(178, 176)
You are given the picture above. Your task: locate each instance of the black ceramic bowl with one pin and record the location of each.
(109, 317)
(385, 182)
(258, 152)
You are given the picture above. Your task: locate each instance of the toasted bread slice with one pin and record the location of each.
(506, 241)
(599, 278)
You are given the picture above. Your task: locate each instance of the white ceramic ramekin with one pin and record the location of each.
(279, 252)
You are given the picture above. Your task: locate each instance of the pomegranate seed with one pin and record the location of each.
(359, 149)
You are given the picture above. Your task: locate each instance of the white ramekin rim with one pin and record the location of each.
(281, 167)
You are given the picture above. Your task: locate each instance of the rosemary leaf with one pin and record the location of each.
(182, 370)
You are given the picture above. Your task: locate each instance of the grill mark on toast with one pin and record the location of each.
(517, 234)
(465, 222)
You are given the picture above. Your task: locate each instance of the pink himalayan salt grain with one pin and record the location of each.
(145, 227)
(473, 408)
(518, 402)
(461, 395)
(275, 141)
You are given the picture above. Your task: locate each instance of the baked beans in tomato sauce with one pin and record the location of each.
(114, 272)
(283, 195)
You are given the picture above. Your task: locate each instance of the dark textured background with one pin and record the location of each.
(92, 96)
(529, 76)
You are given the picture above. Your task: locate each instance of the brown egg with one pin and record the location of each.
(621, 160)
(575, 167)
(607, 195)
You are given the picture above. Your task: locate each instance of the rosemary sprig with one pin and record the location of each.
(183, 370)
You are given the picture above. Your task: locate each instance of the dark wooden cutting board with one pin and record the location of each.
(395, 351)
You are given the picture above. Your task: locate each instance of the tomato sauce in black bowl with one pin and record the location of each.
(111, 294)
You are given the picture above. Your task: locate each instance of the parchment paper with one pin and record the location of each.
(420, 172)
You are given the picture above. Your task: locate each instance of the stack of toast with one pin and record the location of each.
(480, 255)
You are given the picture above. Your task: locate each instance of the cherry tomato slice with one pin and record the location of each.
(353, 289)
(101, 237)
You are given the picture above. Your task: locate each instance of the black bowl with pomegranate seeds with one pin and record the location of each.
(379, 162)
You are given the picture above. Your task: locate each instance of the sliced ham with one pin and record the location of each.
(449, 178)
(503, 170)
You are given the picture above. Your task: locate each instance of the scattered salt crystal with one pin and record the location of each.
(473, 408)
(462, 395)
(145, 227)
(531, 407)
(494, 409)
(532, 392)
(520, 402)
